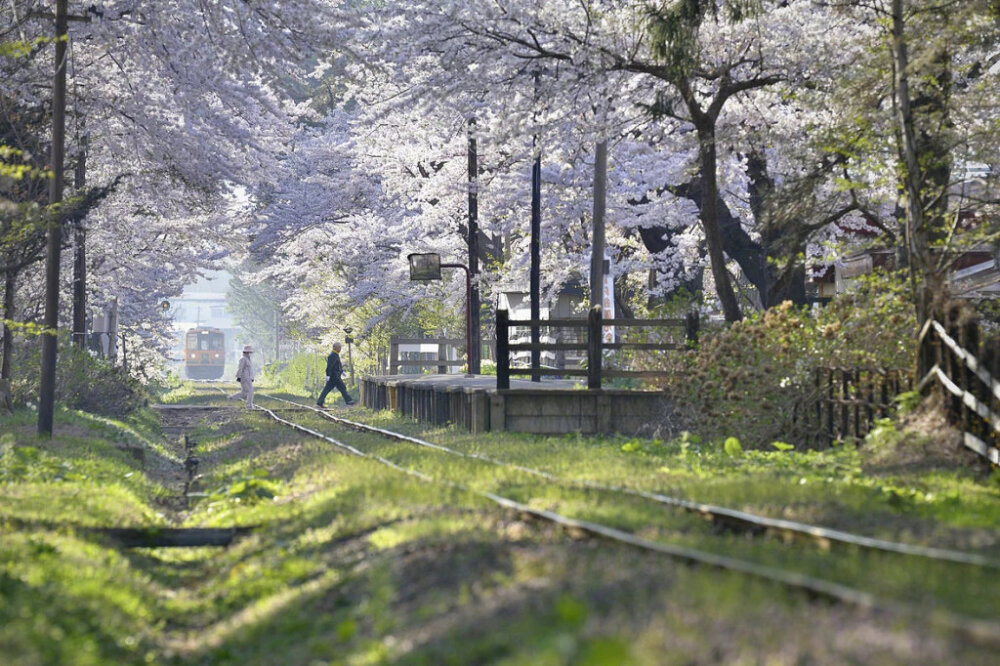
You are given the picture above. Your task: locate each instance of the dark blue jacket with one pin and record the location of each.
(334, 368)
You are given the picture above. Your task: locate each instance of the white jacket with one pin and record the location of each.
(244, 372)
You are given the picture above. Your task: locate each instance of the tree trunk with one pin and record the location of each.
(10, 282)
(710, 222)
(922, 114)
(50, 341)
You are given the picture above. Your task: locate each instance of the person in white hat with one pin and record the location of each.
(244, 375)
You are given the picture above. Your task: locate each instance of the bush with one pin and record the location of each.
(746, 380)
(83, 381)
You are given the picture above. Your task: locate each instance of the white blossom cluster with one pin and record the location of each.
(327, 140)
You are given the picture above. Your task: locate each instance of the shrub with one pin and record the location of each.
(83, 381)
(747, 380)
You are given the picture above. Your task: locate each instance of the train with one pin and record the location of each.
(204, 353)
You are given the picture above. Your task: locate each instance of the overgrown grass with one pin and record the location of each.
(354, 563)
(825, 487)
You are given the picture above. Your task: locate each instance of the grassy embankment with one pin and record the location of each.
(355, 563)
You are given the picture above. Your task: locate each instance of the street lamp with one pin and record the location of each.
(427, 266)
(350, 361)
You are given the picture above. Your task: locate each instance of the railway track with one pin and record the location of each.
(731, 517)
(980, 631)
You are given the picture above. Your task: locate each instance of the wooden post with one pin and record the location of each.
(829, 405)
(844, 407)
(594, 348)
(869, 399)
(818, 380)
(969, 339)
(691, 325)
(993, 365)
(393, 355)
(503, 349)
(937, 358)
(944, 358)
(856, 397)
(883, 408)
(442, 356)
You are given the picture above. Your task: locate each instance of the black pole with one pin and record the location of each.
(46, 398)
(469, 349)
(536, 257)
(503, 350)
(600, 206)
(475, 349)
(594, 348)
(350, 359)
(80, 258)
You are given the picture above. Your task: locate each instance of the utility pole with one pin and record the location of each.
(50, 340)
(535, 287)
(80, 259)
(475, 348)
(600, 206)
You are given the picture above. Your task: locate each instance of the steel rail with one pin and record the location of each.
(711, 510)
(982, 631)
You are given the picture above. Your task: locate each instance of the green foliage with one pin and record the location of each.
(12, 166)
(907, 402)
(884, 433)
(256, 310)
(357, 554)
(732, 447)
(651, 447)
(302, 372)
(83, 381)
(749, 379)
(31, 464)
(246, 488)
(673, 28)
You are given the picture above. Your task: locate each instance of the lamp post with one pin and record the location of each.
(350, 361)
(427, 266)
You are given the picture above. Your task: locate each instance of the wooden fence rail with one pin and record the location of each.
(594, 345)
(953, 357)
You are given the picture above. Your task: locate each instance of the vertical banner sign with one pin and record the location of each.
(608, 300)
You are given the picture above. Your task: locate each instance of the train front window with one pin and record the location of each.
(192, 341)
(217, 341)
(203, 344)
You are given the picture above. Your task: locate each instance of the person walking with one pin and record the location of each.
(334, 374)
(245, 376)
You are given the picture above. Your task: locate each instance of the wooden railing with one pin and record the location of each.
(594, 345)
(953, 357)
(441, 362)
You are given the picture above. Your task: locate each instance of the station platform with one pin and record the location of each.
(551, 406)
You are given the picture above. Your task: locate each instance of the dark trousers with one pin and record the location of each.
(334, 383)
